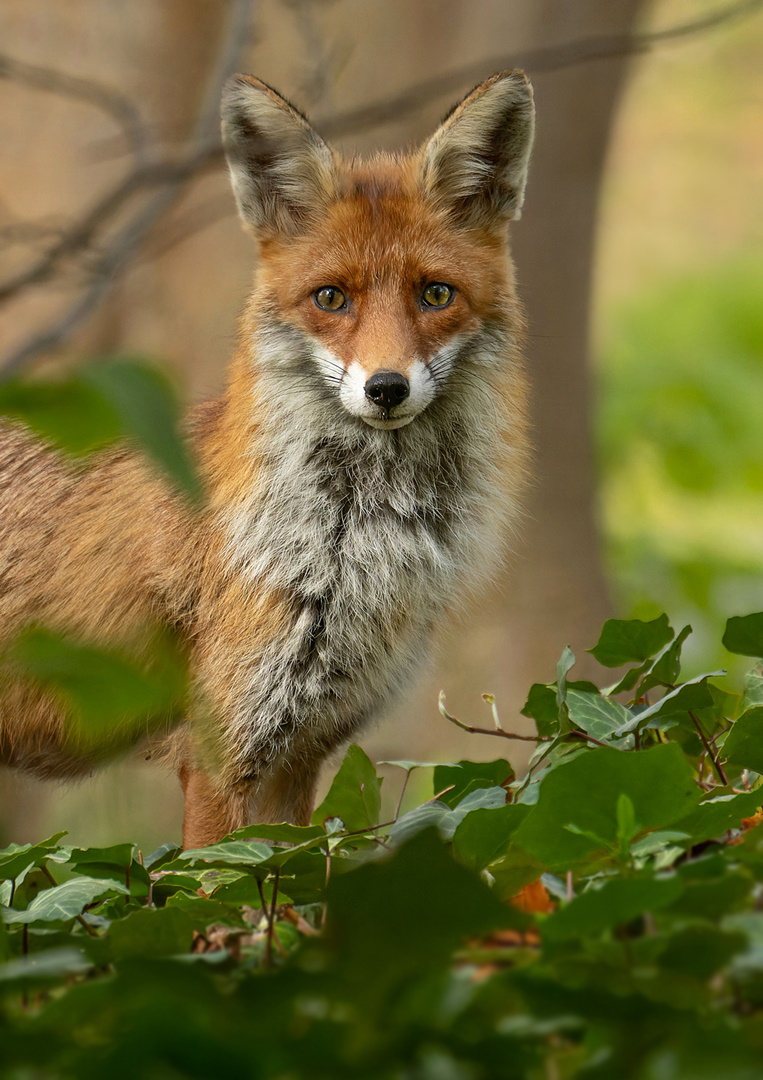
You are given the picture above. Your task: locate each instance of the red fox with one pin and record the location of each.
(361, 468)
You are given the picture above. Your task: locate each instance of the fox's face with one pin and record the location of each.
(384, 270)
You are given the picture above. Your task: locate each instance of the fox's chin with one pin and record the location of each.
(390, 424)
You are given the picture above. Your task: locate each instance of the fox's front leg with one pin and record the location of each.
(210, 812)
(287, 792)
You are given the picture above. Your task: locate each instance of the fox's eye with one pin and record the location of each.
(329, 298)
(437, 295)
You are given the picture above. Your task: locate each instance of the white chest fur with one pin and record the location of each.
(371, 535)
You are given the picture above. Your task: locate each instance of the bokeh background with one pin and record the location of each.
(639, 258)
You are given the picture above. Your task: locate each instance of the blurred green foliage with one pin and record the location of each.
(680, 438)
(398, 950)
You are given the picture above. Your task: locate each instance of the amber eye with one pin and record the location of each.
(437, 295)
(329, 298)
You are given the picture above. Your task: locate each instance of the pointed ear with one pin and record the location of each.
(281, 170)
(475, 165)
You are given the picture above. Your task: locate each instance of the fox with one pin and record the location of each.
(361, 469)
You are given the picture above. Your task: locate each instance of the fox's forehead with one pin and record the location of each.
(381, 232)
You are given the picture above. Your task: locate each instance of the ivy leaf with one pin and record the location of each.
(63, 902)
(614, 903)
(541, 707)
(691, 696)
(354, 795)
(625, 641)
(596, 715)
(226, 853)
(466, 776)
(584, 792)
(753, 688)
(744, 743)
(485, 834)
(744, 634)
(16, 858)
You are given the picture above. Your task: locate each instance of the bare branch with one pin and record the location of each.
(119, 107)
(170, 179)
(486, 731)
(534, 61)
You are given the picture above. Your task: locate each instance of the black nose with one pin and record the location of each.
(387, 389)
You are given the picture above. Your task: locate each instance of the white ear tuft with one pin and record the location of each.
(281, 170)
(475, 165)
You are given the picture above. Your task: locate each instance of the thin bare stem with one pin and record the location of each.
(402, 793)
(272, 921)
(500, 732)
(712, 753)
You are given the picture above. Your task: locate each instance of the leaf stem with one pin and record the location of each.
(711, 752)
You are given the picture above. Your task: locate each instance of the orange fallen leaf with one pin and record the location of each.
(534, 899)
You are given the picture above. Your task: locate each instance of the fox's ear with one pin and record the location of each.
(281, 170)
(475, 164)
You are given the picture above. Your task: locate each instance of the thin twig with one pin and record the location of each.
(272, 921)
(712, 753)
(500, 732)
(204, 145)
(402, 792)
(119, 107)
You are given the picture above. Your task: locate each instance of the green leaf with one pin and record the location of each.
(284, 833)
(624, 641)
(64, 902)
(616, 902)
(156, 932)
(149, 412)
(716, 815)
(106, 402)
(420, 905)
(744, 634)
(744, 743)
(115, 855)
(627, 826)
(112, 697)
(541, 707)
(700, 951)
(409, 766)
(662, 670)
(584, 793)
(16, 858)
(53, 965)
(598, 716)
(466, 776)
(226, 853)
(753, 688)
(354, 795)
(693, 695)
(485, 834)
(73, 416)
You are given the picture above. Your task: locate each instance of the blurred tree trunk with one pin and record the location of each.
(554, 592)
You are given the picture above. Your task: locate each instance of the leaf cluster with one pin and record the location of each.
(416, 947)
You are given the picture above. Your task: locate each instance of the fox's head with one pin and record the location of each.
(378, 276)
